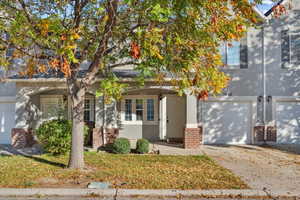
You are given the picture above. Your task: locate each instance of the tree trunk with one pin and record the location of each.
(76, 158)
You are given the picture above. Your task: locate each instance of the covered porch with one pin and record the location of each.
(155, 113)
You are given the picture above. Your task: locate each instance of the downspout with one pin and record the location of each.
(264, 82)
(264, 79)
(103, 120)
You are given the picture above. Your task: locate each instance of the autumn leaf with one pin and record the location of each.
(135, 50)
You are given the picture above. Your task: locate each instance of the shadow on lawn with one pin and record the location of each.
(42, 160)
(8, 150)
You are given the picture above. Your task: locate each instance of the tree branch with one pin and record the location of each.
(122, 64)
(100, 52)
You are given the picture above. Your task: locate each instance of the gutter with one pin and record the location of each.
(264, 80)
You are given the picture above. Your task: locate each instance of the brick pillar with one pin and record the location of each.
(97, 138)
(22, 138)
(192, 137)
(110, 136)
(271, 134)
(259, 134)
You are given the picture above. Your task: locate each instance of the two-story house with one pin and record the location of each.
(261, 104)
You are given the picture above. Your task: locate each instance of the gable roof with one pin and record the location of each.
(269, 12)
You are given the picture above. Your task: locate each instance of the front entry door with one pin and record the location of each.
(176, 116)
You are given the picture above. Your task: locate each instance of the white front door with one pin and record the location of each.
(227, 122)
(7, 122)
(175, 116)
(288, 122)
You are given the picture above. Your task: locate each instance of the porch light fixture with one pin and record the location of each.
(259, 99)
(269, 99)
(160, 96)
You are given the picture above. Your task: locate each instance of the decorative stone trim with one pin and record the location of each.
(192, 138)
(22, 138)
(259, 134)
(110, 136)
(271, 134)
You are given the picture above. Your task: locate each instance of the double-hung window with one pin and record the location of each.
(230, 52)
(139, 109)
(128, 109)
(295, 48)
(290, 49)
(150, 109)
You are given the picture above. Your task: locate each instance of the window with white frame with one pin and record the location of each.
(230, 52)
(139, 109)
(88, 109)
(128, 109)
(150, 109)
(52, 106)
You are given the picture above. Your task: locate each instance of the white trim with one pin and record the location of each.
(191, 126)
(232, 98)
(275, 100)
(8, 99)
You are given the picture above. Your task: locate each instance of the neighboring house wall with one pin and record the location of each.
(7, 111)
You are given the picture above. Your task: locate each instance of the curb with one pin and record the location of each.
(149, 193)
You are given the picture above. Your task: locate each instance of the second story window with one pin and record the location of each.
(230, 52)
(295, 48)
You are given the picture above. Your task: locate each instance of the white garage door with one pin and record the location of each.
(288, 122)
(227, 122)
(7, 122)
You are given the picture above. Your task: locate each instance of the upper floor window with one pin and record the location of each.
(230, 52)
(295, 48)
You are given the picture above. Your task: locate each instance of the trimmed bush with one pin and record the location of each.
(142, 146)
(56, 136)
(121, 145)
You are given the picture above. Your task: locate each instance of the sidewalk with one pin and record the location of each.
(38, 192)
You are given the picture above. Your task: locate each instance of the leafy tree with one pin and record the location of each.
(174, 40)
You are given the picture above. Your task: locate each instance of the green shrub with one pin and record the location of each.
(121, 145)
(56, 136)
(142, 146)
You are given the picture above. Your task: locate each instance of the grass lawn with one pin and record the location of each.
(137, 171)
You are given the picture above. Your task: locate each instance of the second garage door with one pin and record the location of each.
(288, 122)
(7, 122)
(226, 122)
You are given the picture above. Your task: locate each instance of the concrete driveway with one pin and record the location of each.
(274, 168)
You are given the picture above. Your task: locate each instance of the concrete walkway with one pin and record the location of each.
(174, 149)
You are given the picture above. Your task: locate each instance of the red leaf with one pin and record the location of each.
(135, 50)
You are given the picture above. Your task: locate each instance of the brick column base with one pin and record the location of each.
(271, 134)
(259, 134)
(110, 136)
(192, 138)
(22, 138)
